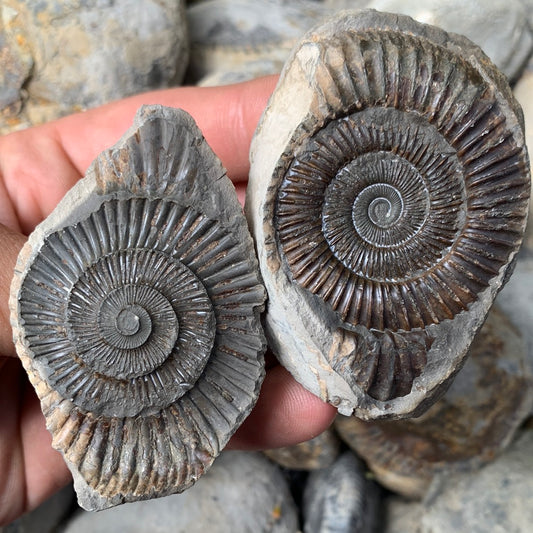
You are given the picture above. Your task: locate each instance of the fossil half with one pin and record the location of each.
(135, 309)
(388, 197)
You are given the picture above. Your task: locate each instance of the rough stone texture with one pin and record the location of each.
(243, 492)
(499, 27)
(135, 311)
(233, 41)
(340, 499)
(528, 6)
(16, 64)
(402, 516)
(47, 517)
(319, 452)
(498, 498)
(517, 296)
(477, 417)
(83, 54)
(374, 296)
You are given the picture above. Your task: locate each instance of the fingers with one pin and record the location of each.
(41, 164)
(45, 470)
(227, 116)
(285, 414)
(36, 173)
(11, 456)
(11, 242)
(30, 469)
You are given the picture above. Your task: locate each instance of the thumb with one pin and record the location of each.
(11, 243)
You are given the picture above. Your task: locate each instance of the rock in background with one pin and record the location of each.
(313, 454)
(243, 492)
(237, 40)
(497, 499)
(474, 421)
(340, 499)
(499, 27)
(69, 56)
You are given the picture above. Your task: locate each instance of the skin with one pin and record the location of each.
(37, 167)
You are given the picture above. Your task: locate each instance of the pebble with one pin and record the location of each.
(83, 54)
(319, 452)
(237, 40)
(499, 27)
(243, 492)
(496, 499)
(339, 499)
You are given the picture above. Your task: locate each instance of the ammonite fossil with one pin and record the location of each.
(388, 197)
(135, 308)
(341, 498)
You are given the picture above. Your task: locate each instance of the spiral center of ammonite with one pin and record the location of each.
(385, 200)
(380, 204)
(125, 323)
(128, 321)
(136, 320)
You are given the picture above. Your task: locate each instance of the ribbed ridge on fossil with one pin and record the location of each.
(139, 321)
(138, 168)
(406, 192)
(191, 274)
(383, 364)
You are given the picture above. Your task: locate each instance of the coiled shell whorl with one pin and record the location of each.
(135, 308)
(388, 196)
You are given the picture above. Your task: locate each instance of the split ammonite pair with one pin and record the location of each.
(388, 197)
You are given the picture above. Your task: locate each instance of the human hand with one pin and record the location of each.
(37, 167)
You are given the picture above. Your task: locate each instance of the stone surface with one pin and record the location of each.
(148, 354)
(340, 499)
(473, 422)
(384, 234)
(498, 498)
(319, 452)
(242, 71)
(528, 6)
(233, 41)
(517, 296)
(16, 64)
(243, 492)
(499, 27)
(83, 54)
(402, 516)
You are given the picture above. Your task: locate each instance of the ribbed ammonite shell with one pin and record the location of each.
(135, 309)
(388, 197)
